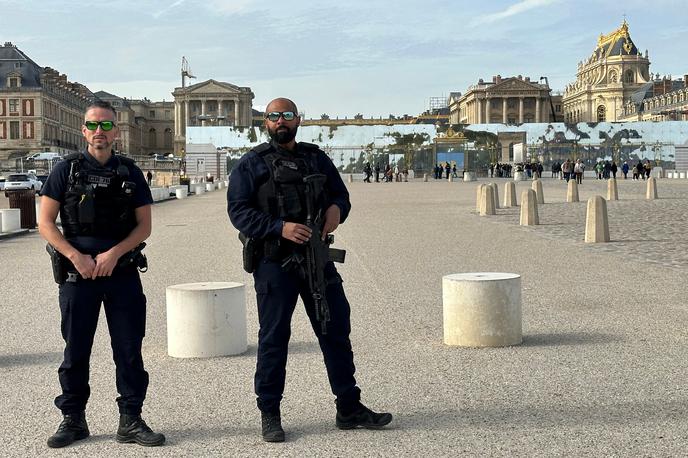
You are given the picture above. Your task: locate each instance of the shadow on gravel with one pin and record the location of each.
(568, 338)
(30, 359)
(194, 434)
(557, 415)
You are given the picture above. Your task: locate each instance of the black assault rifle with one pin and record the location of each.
(318, 251)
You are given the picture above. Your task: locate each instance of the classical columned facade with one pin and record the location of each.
(210, 103)
(508, 101)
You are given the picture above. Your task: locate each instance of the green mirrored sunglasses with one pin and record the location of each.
(104, 125)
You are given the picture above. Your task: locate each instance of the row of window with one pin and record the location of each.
(27, 131)
(16, 107)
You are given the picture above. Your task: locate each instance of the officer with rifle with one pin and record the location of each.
(286, 198)
(105, 209)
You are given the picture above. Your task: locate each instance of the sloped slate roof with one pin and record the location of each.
(12, 60)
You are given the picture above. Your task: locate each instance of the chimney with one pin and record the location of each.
(685, 80)
(494, 79)
(520, 77)
(527, 79)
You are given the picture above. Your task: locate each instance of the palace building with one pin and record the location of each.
(514, 100)
(210, 103)
(40, 110)
(607, 79)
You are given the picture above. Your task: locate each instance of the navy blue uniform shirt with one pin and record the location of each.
(57, 183)
(252, 171)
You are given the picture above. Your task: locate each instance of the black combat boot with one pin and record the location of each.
(272, 427)
(354, 415)
(132, 429)
(73, 428)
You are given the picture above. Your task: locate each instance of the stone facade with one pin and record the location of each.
(145, 127)
(514, 100)
(210, 103)
(607, 79)
(40, 110)
(660, 100)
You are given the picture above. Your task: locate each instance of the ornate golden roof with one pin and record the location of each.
(616, 43)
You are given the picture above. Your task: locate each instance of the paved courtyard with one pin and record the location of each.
(602, 369)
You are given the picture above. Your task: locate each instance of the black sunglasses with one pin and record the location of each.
(275, 115)
(105, 125)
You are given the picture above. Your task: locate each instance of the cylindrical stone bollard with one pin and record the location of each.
(495, 193)
(478, 197)
(682, 175)
(206, 319)
(572, 192)
(651, 188)
(200, 189)
(425, 177)
(537, 187)
(529, 210)
(210, 187)
(612, 189)
(519, 176)
(350, 178)
(510, 194)
(469, 176)
(180, 193)
(487, 200)
(596, 221)
(450, 179)
(482, 309)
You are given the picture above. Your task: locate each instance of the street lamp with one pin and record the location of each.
(549, 96)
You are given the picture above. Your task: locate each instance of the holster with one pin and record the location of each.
(60, 265)
(249, 253)
(134, 258)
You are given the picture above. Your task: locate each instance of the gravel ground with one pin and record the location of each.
(601, 371)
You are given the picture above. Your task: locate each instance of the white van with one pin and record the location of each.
(47, 156)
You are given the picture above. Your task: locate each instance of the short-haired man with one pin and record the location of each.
(267, 202)
(104, 204)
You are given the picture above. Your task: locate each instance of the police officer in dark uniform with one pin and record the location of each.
(105, 209)
(266, 203)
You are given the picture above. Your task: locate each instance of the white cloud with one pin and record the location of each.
(516, 8)
(157, 14)
(230, 6)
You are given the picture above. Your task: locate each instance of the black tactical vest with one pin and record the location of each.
(98, 199)
(283, 195)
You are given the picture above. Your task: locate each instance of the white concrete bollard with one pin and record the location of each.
(677, 175)
(11, 220)
(519, 176)
(482, 309)
(181, 193)
(596, 221)
(469, 176)
(529, 210)
(572, 192)
(200, 189)
(670, 175)
(206, 319)
(537, 187)
(350, 179)
(651, 188)
(210, 187)
(510, 194)
(425, 177)
(478, 197)
(682, 175)
(495, 194)
(450, 179)
(612, 189)
(487, 200)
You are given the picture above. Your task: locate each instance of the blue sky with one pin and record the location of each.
(339, 58)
